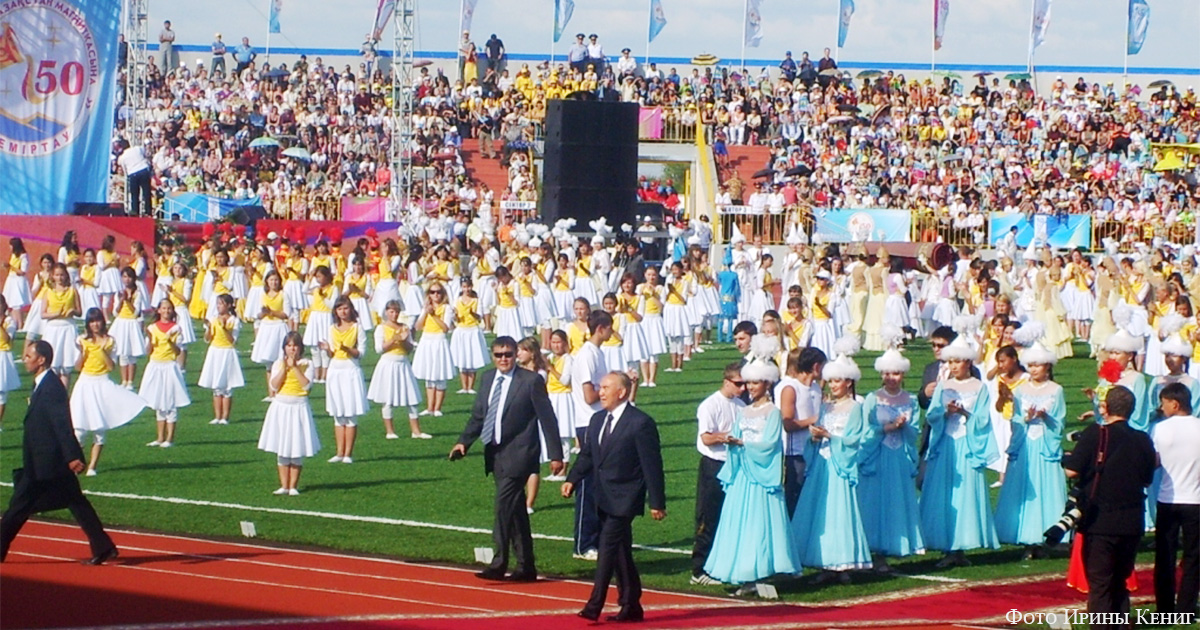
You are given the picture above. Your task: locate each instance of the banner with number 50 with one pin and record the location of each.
(58, 76)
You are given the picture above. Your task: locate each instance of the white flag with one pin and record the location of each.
(1041, 21)
(468, 12)
(754, 27)
(941, 11)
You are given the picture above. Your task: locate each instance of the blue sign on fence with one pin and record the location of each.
(841, 225)
(1062, 231)
(197, 208)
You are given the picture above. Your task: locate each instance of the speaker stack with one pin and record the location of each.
(590, 161)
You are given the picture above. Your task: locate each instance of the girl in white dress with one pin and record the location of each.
(358, 287)
(612, 349)
(346, 393)
(40, 286)
(896, 308)
(393, 384)
(130, 342)
(635, 349)
(222, 372)
(530, 357)
(558, 386)
(9, 380)
(320, 318)
(433, 363)
(139, 262)
(97, 403)
(85, 282)
(163, 387)
(60, 307)
(289, 430)
(179, 290)
(651, 305)
(564, 287)
(508, 311)
(271, 326)
(110, 272)
(16, 285)
(468, 349)
(675, 318)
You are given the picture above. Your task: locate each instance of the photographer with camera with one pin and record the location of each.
(1112, 465)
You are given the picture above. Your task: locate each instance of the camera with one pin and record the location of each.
(1072, 512)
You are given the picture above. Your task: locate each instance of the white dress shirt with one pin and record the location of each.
(1177, 440)
(504, 381)
(716, 415)
(612, 426)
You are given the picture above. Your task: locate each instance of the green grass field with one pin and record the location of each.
(412, 480)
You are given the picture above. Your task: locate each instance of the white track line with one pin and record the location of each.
(276, 565)
(314, 589)
(381, 520)
(343, 556)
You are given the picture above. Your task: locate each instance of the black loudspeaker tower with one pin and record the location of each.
(590, 162)
(97, 209)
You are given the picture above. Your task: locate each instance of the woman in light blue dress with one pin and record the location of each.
(956, 514)
(887, 466)
(827, 526)
(1035, 487)
(752, 540)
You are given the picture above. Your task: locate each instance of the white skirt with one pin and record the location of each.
(289, 429)
(88, 299)
(9, 379)
(60, 334)
(509, 323)
(614, 358)
(413, 301)
(824, 335)
(656, 334)
(163, 387)
(547, 308)
(128, 338)
(564, 303)
(295, 296)
(254, 302)
(393, 383)
(432, 361)
(187, 330)
(16, 290)
(33, 320)
(268, 341)
(221, 369)
(564, 410)
(98, 404)
(634, 345)
(945, 312)
(530, 317)
(468, 349)
(1083, 306)
(675, 321)
(487, 294)
(345, 390)
(161, 284)
(385, 292)
(585, 288)
(110, 281)
(366, 318)
(237, 280)
(317, 330)
(895, 311)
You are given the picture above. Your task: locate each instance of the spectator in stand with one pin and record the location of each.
(166, 48)
(826, 63)
(494, 50)
(626, 65)
(577, 54)
(595, 54)
(218, 55)
(244, 55)
(808, 71)
(788, 67)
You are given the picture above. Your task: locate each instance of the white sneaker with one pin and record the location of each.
(391, 436)
(704, 579)
(554, 478)
(528, 510)
(651, 385)
(347, 460)
(280, 491)
(422, 436)
(461, 391)
(165, 445)
(425, 412)
(698, 350)
(437, 414)
(91, 472)
(154, 443)
(215, 421)
(997, 484)
(223, 421)
(267, 400)
(471, 391)
(591, 555)
(336, 459)
(293, 492)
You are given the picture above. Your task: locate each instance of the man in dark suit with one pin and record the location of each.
(52, 458)
(621, 453)
(508, 410)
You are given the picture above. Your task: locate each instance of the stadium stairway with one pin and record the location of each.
(745, 159)
(481, 169)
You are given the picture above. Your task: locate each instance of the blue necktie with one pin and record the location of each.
(493, 412)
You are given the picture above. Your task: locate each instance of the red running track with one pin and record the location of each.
(189, 583)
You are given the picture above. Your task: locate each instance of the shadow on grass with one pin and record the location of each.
(351, 485)
(175, 465)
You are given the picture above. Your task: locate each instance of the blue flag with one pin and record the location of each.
(562, 15)
(276, 7)
(847, 10)
(657, 19)
(1139, 23)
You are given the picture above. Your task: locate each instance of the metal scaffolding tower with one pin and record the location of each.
(136, 29)
(403, 46)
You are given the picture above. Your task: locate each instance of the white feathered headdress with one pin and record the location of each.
(762, 367)
(843, 366)
(1029, 333)
(892, 360)
(1037, 354)
(960, 349)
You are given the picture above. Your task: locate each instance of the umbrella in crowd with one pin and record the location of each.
(276, 73)
(846, 107)
(421, 63)
(946, 73)
(837, 120)
(867, 74)
(263, 141)
(705, 59)
(300, 153)
(1161, 83)
(799, 170)
(766, 172)
(829, 72)
(983, 73)
(1018, 76)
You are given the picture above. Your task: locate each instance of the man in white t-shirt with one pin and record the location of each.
(799, 400)
(715, 418)
(137, 178)
(587, 369)
(1177, 439)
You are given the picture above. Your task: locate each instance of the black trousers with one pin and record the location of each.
(710, 496)
(616, 560)
(511, 528)
(137, 186)
(793, 481)
(29, 497)
(1108, 562)
(587, 522)
(1176, 520)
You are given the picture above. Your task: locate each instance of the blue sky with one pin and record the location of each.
(1082, 32)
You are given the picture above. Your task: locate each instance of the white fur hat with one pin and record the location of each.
(892, 361)
(762, 367)
(1122, 341)
(1037, 354)
(960, 349)
(1175, 345)
(842, 367)
(1029, 333)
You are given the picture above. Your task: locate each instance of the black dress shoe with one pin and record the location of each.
(102, 557)
(627, 615)
(491, 574)
(522, 576)
(590, 615)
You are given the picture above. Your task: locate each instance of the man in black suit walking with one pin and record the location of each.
(621, 453)
(511, 404)
(52, 459)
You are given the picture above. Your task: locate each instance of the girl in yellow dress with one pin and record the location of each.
(393, 384)
(222, 372)
(655, 332)
(129, 342)
(346, 393)
(577, 332)
(357, 286)
(468, 349)
(289, 430)
(179, 291)
(110, 271)
(86, 282)
(509, 322)
(163, 387)
(38, 289)
(433, 362)
(272, 325)
(16, 285)
(320, 318)
(59, 308)
(9, 380)
(97, 404)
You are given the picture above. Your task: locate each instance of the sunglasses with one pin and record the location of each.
(737, 383)
(437, 293)
(938, 346)
(504, 355)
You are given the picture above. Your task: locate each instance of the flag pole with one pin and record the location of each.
(745, 11)
(649, 21)
(1125, 66)
(553, 27)
(268, 53)
(933, 39)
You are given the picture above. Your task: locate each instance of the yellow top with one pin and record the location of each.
(224, 333)
(767, 281)
(385, 268)
(164, 343)
(291, 384)
(484, 267)
(1158, 310)
(339, 338)
(60, 301)
(821, 299)
(1186, 332)
(179, 285)
(72, 259)
(576, 336)
(357, 285)
(583, 267)
(273, 302)
(5, 336)
(389, 334)
(562, 282)
(221, 284)
(163, 267)
(323, 261)
(653, 302)
(444, 270)
(94, 361)
(631, 304)
(553, 385)
(464, 312)
(14, 263)
(294, 269)
(105, 259)
(258, 274)
(127, 311)
(526, 284)
(505, 297)
(790, 336)
(323, 298)
(1007, 409)
(439, 313)
(1131, 290)
(677, 296)
(87, 275)
(615, 338)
